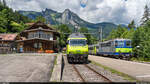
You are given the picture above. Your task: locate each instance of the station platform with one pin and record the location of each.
(139, 71)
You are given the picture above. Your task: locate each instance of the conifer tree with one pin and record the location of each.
(146, 15)
(131, 25)
(4, 3)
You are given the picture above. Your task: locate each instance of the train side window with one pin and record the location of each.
(103, 45)
(90, 48)
(68, 42)
(109, 44)
(116, 43)
(128, 43)
(119, 43)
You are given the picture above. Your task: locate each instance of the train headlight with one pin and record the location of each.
(86, 52)
(70, 52)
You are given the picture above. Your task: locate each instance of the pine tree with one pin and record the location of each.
(40, 18)
(4, 3)
(131, 25)
(146, 15)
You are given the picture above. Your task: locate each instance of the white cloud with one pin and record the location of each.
(117, 11)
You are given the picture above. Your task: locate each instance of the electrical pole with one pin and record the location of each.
(76, 28)
(100, 34)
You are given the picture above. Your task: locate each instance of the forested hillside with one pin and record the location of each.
(11, 21)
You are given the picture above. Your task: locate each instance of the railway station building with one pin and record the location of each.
(38, 37)
(7, 42)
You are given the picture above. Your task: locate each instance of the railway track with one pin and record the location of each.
(83, 78)
(78, 73)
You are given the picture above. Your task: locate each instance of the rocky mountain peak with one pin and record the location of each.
(67, 11)
(66, 16)
(49, 11)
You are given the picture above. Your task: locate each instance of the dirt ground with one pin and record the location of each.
(26, 67)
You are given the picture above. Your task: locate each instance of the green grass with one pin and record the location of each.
(139, 59)
(125, 76)
(55, 62)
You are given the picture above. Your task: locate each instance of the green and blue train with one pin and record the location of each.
(93, 49)
(77, 48)
(117, 48)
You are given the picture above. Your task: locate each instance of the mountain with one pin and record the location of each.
(70, 18)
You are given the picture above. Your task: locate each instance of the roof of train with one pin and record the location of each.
(121, 39)
(77, 35)
(93, 45)
(118, 39)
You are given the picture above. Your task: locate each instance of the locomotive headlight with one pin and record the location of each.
(86, 52)
(70, 52)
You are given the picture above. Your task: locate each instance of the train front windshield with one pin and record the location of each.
(128, 44)
(119, 43)
(123, 43)
(77, 42)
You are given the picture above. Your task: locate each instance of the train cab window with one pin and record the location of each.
(119, 43)
(128, 43)
(79, 42)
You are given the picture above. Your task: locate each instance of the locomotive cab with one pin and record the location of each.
(123, 46)
(77, 48)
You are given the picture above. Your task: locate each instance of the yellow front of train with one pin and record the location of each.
(77, 49)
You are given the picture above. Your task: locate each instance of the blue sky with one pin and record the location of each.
(116, 11)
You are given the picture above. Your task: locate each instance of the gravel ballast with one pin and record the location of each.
(70, 75)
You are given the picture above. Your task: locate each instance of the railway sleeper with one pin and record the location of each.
(77, 59)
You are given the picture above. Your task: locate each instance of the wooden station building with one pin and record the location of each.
(37, 38)
(7, 42)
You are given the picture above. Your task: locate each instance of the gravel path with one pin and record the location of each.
(25, 67)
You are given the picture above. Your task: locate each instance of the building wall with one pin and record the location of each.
(41, 34)
(35, 46)
(6, 47)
